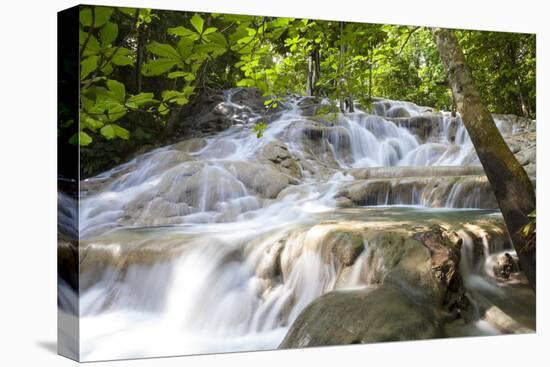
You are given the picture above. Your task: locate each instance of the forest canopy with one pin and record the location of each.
(146, 65)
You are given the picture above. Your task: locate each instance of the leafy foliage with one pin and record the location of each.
(504, 66)
(139, 68)
(259, 129)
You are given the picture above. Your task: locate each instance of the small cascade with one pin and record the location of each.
(220, 177)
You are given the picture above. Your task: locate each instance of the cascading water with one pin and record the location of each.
(217, 244)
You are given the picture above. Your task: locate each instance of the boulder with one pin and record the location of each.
(277, 153)
(192, 145)
(312, 106)
(346, 246)
(515, 148)
(343, 202)
(414, 288)
(263, 179)
(375, 314)
(398, 111)
(426, 124)
(527, 156)
(270, 264)
(507, 123)
(313, 140)
(252, 98)
(444, 247)
(506, 265)
(217, 111)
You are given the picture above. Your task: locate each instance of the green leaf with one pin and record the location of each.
(158, 67)
(108, 132)
(240, 33)
(177, 74)
(184, 32)
(185, 48)
(218, 39)
(74, 139)
(107, 69)
(281, 22)
(117, 89)
(97, 111)
(108, 33)
(211, 48)
(246, 83)
(87, 122)
(115, 111)
(188, 90)
(122, 60)
(209, 30)
(197, 22)
(84, 139)
(259, 128)
(140, 100)
(120, 56)
(115, 131)
(103, 98)
(163, 50)
(87, 66)
(189, 77)
(121, 132)
(174, 96)
(92, 47)
(101, 16)
(164, 109)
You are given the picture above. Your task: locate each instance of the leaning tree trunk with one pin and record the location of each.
(511, 185)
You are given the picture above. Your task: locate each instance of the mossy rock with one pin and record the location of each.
(368, 315)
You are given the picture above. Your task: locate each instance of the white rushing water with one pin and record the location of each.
(182, 242)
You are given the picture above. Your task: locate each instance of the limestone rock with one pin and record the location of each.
(444, 250)
(277, 153)
(397, 111)
(190, 145)
(505, 266)
(270, 265)
(347, 246)
(375, 314)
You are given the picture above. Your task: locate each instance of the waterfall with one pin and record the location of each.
(216, 244)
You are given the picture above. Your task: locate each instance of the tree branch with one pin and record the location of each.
(407, 39)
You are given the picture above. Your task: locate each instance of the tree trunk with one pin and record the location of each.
(371, 51)
(139, 58)
(313, 72)
(511, 185)
(523, 105)
(341, 77)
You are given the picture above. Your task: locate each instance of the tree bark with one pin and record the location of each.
(314, 72)
(139, 58)
(511, 185)
(341, 79)
(371, 51)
